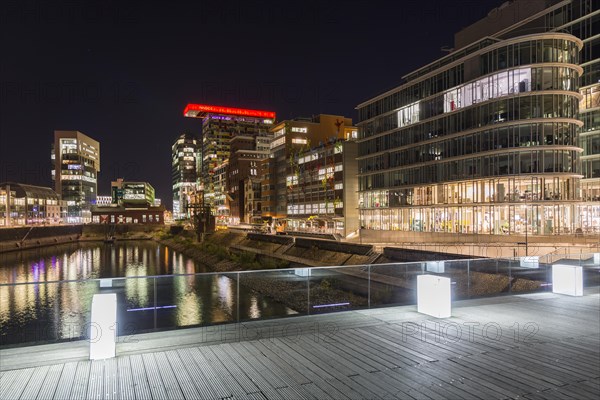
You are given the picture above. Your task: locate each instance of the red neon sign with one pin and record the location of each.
(202, 108)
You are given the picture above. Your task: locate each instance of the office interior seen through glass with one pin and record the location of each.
(487, 143)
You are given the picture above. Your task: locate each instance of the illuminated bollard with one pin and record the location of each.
(530, 262)
(435, 266)
(302, 271)
(103, 326)
(567, 279)
(433, 296)
(597, 259)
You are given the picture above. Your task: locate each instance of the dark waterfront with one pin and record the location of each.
(46, 312)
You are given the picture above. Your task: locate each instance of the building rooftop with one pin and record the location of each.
(202, 110)
(24, 190)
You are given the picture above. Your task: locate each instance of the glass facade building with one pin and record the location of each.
(484, 141)
(76, 159)
(185, 165)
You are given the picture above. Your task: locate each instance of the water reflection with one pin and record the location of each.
(41, 311)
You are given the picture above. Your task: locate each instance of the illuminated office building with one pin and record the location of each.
(246, 153)
(76, 159)
(185, 164)
(220, 125)
(22, 204)
(486, 140)
(132, 194)
(321, 189)
(291, 140)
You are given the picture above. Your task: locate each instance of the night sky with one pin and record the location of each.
(122, 72)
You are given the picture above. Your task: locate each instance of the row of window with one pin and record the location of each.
(493, 219)
(530, 52)
(590, 168)
(491, 87)
(505, 137)
(591, 121)
(127, 220)
(591, 98)
(498, 190)
(591, 144)
(510, 109)
(591, 73)
(437, 84)
(547, 161)
(513, 55)
(316, 208)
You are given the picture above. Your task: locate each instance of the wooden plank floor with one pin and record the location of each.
(539, 346)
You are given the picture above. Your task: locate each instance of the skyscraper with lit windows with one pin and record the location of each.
(185, 164)
(76, 159)
(220, 125)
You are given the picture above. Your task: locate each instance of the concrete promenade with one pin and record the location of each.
(535, 346)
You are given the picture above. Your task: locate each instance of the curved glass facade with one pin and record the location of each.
(488, 145)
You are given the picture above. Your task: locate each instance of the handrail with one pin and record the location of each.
(258, 271)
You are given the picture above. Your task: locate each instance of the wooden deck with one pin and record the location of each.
(540, 346)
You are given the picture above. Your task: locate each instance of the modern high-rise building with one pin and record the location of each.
(246, 153)
(488, 139)
(290, 139)
(220, 125)
(580, 18)
(76, 159)
(321, 189)
(185, 164)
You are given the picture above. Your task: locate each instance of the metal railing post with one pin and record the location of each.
(155, 304)
(308, 294)
(510, 276)
(468, 279)
(238, 297)
(369, 290)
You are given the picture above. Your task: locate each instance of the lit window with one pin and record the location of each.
(408, 115)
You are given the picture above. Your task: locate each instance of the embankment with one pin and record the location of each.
(21, 238)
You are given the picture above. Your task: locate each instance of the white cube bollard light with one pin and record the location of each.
(435, 266)
(103, 326)
(597, 259)
(302, 271)
(530, 262)
(105, 283)
(434, 296)
(567, 279)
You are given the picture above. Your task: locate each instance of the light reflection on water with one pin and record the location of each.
(46, 312)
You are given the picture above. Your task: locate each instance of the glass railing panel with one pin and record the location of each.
(135, 303)
(498, 276)
(272, 294)
(394, 284)
(584, 259)
(44, 312)
(591, 270)
(338, 289)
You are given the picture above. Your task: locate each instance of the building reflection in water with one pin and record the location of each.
(44, 310)
(253, 312)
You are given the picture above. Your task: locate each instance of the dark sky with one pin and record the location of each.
(122, 72)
